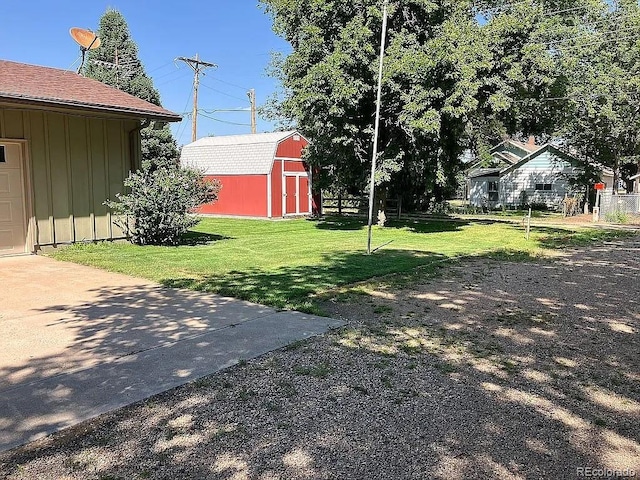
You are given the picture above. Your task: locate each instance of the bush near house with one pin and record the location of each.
(157, 210)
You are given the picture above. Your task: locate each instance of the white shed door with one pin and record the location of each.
(13, 231)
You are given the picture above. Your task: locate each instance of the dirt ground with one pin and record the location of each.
(492, 369)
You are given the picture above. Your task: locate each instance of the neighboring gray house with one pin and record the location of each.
(523, 171)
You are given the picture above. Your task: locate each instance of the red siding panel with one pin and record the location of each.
(290, 148)
(290, 166)
(244, 195)
(276, 189)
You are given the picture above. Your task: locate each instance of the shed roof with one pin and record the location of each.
(234, 154)
(45, 86)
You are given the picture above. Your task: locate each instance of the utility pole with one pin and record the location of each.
(377, 125)
(252, 98)
(197, 65)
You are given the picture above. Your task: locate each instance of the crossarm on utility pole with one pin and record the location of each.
(197, 65)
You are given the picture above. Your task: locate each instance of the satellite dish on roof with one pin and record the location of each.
(86, 39)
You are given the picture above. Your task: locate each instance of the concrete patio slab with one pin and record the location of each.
(78, 342)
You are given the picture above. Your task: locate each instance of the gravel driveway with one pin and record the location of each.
(492, 369)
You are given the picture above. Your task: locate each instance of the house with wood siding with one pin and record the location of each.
(524, 173)
(66, 145)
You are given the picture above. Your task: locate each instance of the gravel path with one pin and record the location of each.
(492, 369)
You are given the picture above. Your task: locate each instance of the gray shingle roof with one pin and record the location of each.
(234, 154)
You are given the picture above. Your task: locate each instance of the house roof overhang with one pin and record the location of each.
(32, 86)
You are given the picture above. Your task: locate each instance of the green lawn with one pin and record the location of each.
(284, 264)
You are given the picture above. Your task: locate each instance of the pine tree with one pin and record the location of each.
(160, 197)
(116, 63)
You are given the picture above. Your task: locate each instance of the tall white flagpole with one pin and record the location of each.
(377, 125)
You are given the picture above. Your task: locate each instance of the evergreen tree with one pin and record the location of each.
(157, 207)
(116, 63)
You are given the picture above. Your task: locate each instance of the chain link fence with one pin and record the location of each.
(616, 205)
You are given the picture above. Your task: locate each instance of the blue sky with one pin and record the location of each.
(234, 34)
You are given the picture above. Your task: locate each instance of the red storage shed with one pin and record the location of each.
(262, 174)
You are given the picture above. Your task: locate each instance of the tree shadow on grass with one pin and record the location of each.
(435, 225)
(293, 287)
(193, 239)
(341, 223)
(558, 238)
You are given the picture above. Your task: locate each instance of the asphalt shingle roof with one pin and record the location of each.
(38, 85)
(234, 154)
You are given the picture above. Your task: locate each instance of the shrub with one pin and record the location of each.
(439, 208)
(157, 208)
(571, 205)
(617, 216)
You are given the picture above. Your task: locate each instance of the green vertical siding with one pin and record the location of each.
(13, 124)
(76, 163)
(40, 175)
(58, 172)
(82, 194)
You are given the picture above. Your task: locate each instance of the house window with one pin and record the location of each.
(3, 158)
(492, 189)
(543, 186)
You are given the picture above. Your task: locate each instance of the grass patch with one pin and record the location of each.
(321, 370)
(381, 309)
(291, 264)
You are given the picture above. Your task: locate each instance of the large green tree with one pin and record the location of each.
(602, 58)
(456, 76)
(116, 63)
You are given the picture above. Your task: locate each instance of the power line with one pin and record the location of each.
(229, 83)
(572, 97)
(226, 110)
(599, 42)
(183, 124)
(589, 34)
(223, 93)
(172, 72)
(507, 6)
(225, 121)
(161, 67)
(173, 79)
